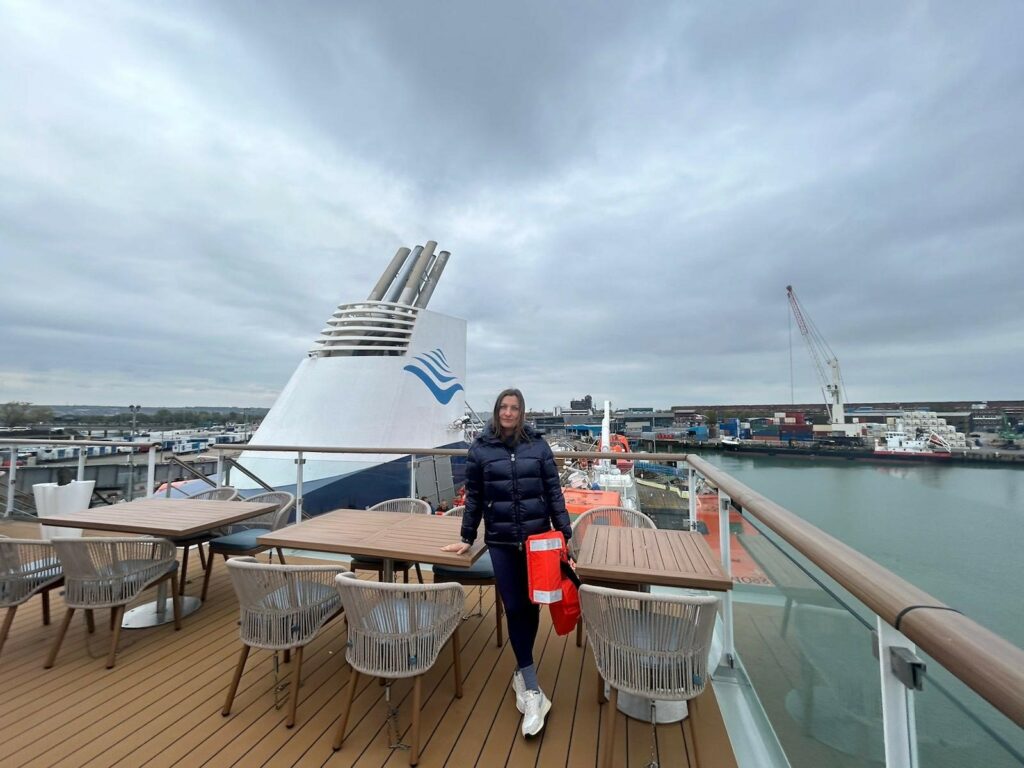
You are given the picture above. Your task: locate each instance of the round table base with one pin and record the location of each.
(639, 708)
(148, 616)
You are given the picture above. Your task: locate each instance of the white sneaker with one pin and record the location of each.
(537, 706)
(519, 686)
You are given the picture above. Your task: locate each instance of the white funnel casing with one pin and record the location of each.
(382, 374)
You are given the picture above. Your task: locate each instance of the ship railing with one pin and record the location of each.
(12, 445)
(845, 661)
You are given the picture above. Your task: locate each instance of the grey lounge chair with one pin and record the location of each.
(283, 607)
(242, 538)
(651, 646)
(27, 567)
(110, 573)
(396, 631)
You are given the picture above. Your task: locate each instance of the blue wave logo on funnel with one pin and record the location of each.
(433, 370)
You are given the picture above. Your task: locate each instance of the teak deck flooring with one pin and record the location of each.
(160, 706)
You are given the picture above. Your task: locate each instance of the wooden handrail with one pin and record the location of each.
(988, 664)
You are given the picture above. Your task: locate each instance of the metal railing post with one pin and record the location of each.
(298, 487)
(10, 481)
(412, 475)
(151, 472)
(898, 726)
(724, 503)
(82, 450)
(691, 483)
(220, 470)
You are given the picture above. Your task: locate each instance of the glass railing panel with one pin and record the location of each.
(956, 727)
(807, 657)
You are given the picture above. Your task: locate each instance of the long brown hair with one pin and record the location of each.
(519, 431)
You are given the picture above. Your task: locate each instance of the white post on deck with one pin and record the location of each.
(898, 721)
(691, 483)
(298, 487)
(220, 469)
(724, 503)
(82, 450)
(412, 475)
(10, 481)
(151, 472)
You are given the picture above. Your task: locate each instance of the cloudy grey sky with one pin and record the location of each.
(188, 189)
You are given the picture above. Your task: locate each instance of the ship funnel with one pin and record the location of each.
(432, 277)
(388, 276)
(399, 284)
(413, 284)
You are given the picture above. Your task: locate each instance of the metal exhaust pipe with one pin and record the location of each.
(398, 285)
(431, 282)
(413, 284)
(388, 276)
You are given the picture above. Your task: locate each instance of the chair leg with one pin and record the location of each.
(499, 610)
(184, 570)
(115, 636)
(46, 608)
(417, 695)
(8, 620)
(235, 680)
(419, 573)
(280, 556)
(339, 737)
(202, 555)
(608, 737)
(691, 710)
(601, 698)
(113, 615)
(287, 655)
(405, 574)
(90, 621)
(60, 638)
(296, 681)
(175, 603)
(579, 633)
(206, 575)
(456, 662)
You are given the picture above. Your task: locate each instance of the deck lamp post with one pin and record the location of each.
(134, 410)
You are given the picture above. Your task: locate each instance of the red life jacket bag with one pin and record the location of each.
(551, 579)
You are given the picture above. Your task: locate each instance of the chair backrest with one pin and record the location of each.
(224, 493)
(654, 646)
(618, 516)
(458, 511)
(412, 506)
(104, 572)
(275, 519)
(397, 630)
(283, 606)
(26, 566)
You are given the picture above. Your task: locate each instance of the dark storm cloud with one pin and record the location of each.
(187, 191)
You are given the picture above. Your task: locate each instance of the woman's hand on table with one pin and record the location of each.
(460, 548)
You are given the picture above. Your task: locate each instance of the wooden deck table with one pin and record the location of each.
(389, 536)
(172, 518)
(662, 557)
(617, 556)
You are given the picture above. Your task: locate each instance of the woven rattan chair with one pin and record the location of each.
(397, 631)
(480, 574)
(409, 506)
(110, 573)
(617, 516)
(283, 607)
(241, 540)
(27, 567)
(224, 493)
(652, 646)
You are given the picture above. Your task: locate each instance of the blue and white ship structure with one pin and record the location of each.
(385, 372)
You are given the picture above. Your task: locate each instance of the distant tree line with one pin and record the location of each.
(20, 414)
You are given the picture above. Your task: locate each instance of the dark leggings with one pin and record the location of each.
(523, 617)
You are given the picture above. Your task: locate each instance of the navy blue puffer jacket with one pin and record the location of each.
(514, 489)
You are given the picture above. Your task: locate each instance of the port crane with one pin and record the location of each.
(825, 361)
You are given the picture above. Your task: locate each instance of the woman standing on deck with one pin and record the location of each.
(512, 483)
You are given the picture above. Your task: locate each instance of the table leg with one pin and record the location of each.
(389, 570)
